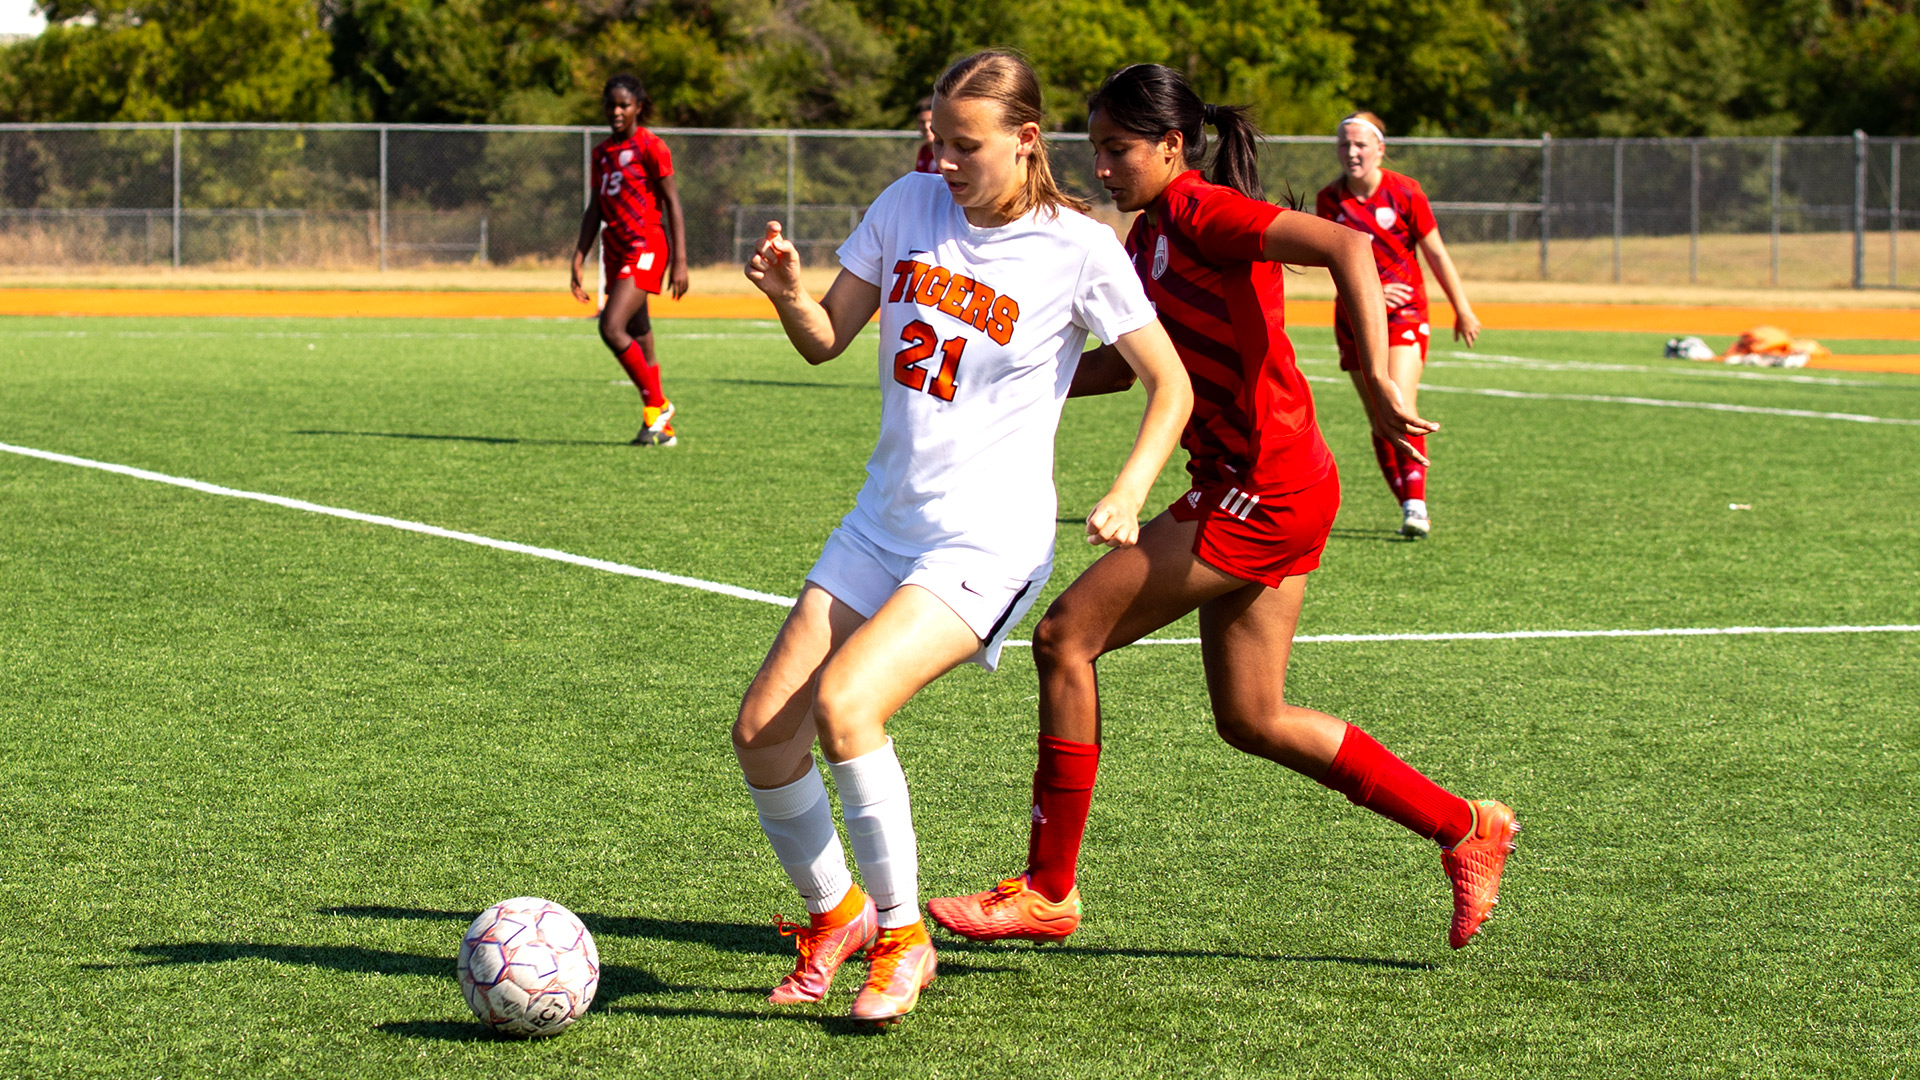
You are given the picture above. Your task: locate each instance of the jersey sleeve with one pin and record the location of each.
(1229, 227)
(864, 253)
(599, 179)
(659, 159)
(1325, 205)
(1419, 212)
(1109, 300)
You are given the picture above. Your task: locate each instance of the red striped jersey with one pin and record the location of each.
(924, 161)
(1396, 216)
(626, 181)
(1198, 251)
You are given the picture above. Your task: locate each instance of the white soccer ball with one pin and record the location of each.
(528, 967)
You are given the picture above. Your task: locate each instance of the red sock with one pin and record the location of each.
(1389, 459)
(644, 373)
(1062, 794)
(1369, 775)
(1413, 475)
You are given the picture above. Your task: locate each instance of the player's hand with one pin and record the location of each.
(775, 265)
(1395, 423)
(580, 291)
(1465, 326)
(1113, 523)
(1397, 293)
(677, 281)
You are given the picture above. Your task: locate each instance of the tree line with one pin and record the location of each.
(1428, 67)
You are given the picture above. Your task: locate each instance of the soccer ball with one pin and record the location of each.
(528, 967)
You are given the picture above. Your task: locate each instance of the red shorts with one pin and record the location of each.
(645, 262)
(1401, 330)
(1261, 538)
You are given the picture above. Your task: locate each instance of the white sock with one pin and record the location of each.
(873, 799)
(798, 822)
(1418, 506)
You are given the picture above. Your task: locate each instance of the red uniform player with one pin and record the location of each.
(642, 246)
(1394, 212)
(1239, 544)
(925, 161)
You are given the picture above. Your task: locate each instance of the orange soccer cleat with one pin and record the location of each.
(1011, 910)
(903, 965)
(1474, 865)
(827, 942)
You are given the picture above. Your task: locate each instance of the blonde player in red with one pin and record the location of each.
(987, 280)
(645, 243)
(1393, 211)
(1239, 545)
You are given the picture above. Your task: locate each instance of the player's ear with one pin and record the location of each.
(1026, 139)
(1173, 145)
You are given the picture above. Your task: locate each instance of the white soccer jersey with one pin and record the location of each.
(980, 333)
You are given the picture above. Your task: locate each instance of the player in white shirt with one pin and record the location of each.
(987, 280)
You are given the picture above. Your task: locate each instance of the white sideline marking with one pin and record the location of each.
(786, 601)
(1503, 362)
(408, 526)
(1514, 635)
(1710, 406)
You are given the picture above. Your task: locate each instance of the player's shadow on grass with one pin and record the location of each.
(1385, 536)
(759, 939)
(490, 440)
(786, 384)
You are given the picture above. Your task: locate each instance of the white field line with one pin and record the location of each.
(409, 526)
(787, 601)
(1501, 362)
(1710, 406)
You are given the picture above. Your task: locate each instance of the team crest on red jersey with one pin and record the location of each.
(1159, 256)
(1385, 216)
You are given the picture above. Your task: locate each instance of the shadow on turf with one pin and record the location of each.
(758, 938)
(1385, 536)
(491, 440)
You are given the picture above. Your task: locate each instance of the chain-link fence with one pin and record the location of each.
(1806, 213)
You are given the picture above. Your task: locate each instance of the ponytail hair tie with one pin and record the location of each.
(1210, 115)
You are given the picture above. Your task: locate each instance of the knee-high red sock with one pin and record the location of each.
(1389, 459)
(1413, 475)
(1062, 794)
(1369, 775)
(644, 373)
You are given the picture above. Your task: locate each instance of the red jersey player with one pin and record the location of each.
(634, 197)
(925, 161)
(1239, 544)
(1393, 211)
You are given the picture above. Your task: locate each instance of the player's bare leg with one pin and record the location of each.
(626, 329)
(1404, 368)
(1127, 594)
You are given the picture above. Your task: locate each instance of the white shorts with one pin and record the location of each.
(988, 594)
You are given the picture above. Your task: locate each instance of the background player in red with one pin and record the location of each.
(1393, 210)
(635, 198)
(925, 160)
(1238, 545)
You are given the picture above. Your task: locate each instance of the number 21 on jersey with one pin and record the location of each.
(921, 343)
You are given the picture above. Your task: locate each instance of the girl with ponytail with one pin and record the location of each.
(1239, 544)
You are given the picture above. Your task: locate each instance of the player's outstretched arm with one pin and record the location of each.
(1348, 255)
(1466, 326)
(819, 329)
(1101, 371)
(1115, 520)
(589, 227)
(677, 278)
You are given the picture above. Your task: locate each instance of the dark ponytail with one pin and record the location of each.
(1153, 99)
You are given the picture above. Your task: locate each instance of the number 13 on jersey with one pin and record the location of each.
(921, 343)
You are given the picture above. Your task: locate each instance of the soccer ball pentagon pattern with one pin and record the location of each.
(528, 967)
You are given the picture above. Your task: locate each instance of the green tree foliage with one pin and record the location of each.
(1458, 67)
(169, 60)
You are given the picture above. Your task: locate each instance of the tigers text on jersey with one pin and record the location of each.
(980, 333)
(1397, 215)
(626, 181)
(1200, 251)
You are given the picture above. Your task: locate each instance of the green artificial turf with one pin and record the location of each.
(261, 766)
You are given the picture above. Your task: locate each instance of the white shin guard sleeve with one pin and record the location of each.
(873, 799)
(798, 822)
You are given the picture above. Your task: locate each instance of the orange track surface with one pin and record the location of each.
(1830, 324)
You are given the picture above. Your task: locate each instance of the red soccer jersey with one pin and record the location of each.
(626, 179)
(923, 161)
(1222, 305)
(1397, 216)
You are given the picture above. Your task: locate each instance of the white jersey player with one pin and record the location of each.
(987, 281)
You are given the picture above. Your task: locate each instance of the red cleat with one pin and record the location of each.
(829, 941)
(1474, 866)
(1011, 910)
